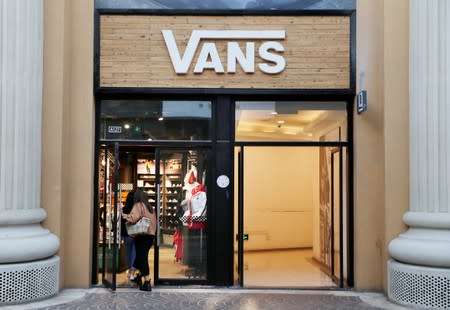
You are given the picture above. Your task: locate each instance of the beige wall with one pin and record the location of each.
(369, 148)
(279, 196)
(396, 120)
(68, 134)
(380, 136)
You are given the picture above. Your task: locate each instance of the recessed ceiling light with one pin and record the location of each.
(292, 133)
(127, 126)
(160, 118)
(280, 122)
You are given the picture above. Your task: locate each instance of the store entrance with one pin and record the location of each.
(290, 216)
(175, 181)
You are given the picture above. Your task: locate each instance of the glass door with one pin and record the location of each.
(109, 214)
(286, 237)
(337, 240)
(181, 206)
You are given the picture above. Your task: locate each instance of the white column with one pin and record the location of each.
(422, 253)
(22, 240)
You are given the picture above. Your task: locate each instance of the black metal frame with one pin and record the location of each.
(111, 285)
(340, 147)
(158, 151)
(231, 95)
(341, 214)
(240, 235)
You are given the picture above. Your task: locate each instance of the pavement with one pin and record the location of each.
(210, 299)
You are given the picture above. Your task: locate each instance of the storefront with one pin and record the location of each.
(256, 113)
(257, 97)
(238, 126)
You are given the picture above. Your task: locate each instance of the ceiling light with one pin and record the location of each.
(160, 118)
(280, 122)
(127, 126)
(292, 133)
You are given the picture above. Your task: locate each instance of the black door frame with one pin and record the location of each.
(220, 152)
(178, 281)
(340, 147)
(111, 283)
(220, 219)
(340, 279)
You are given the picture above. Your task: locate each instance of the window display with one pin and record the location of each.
(182, 209)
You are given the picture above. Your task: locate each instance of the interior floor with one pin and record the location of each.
(294, 268)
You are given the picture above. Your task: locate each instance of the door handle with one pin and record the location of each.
(158, 227)
(109, 216)
(119, 218)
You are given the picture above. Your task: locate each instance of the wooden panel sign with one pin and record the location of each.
(268, 52)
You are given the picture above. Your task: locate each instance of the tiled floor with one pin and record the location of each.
(294, 268)
(284, 269)
(211, 299)
(262, 269)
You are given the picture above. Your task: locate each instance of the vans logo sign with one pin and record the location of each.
(269, 51)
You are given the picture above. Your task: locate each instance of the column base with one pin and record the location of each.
(30, 281)
(418, 287)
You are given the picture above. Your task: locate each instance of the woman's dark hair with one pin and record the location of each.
(141, 196)
(129, 203)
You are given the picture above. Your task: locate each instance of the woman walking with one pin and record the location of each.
(143, 243)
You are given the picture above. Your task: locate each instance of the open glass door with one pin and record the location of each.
(181, 203)
(336, 216)
(109, 198)
(290, 213)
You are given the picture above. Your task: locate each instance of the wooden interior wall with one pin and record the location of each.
(133, 52)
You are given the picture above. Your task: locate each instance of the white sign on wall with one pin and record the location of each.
(114, 129)
(209, 58)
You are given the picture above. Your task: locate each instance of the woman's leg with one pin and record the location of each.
(140, 253)
(146, 286)
(143, 245)
(147, 242)
(130, 251)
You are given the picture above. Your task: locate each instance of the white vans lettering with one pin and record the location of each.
(209, 57)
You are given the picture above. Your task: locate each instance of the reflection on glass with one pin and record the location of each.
(290, 121)
(182, 210)
(228, 4)
(155, 120)
(108, 205)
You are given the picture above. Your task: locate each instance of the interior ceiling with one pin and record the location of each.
(303, 125)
